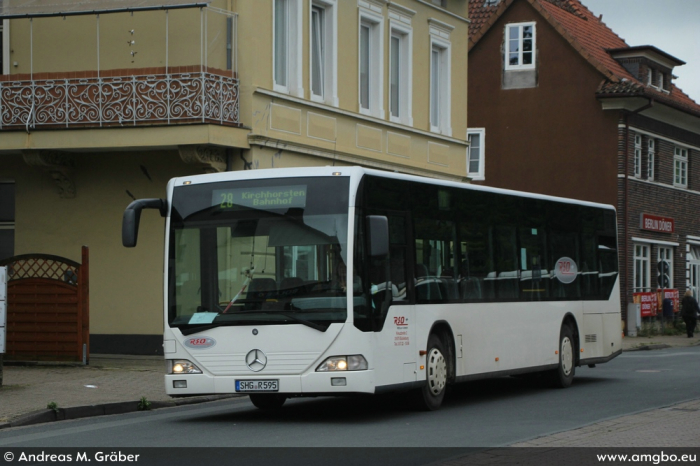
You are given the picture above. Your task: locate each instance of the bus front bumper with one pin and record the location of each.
(315, 383)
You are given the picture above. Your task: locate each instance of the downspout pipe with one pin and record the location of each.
(625, 200)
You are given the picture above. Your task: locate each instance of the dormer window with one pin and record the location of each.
(648, 64)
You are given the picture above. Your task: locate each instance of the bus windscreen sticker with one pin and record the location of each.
(278, 197)
(566, 270)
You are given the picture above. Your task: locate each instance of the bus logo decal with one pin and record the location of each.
(200, 342)
(566, 270)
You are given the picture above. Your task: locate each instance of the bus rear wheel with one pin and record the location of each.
(268, 400)
(430, 396)
(563, 375)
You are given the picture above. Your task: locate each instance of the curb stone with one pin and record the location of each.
(122, 407)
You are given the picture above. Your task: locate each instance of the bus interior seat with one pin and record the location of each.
(291, 286)
(508, 285)
(470, 288)
(261, 289)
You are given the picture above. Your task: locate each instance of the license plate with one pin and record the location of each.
(257, 385)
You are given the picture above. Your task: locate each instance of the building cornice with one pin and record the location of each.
(358, 116)
(346, 158)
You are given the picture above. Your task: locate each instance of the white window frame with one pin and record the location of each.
(680, 167)
(328, 54)
(642, 268)
(292, 53)
(651, 154)
(520, 27)
(404, 34)
(480, 173)
(637, 156)
(375, 72)
(665, 254)
(440, 86)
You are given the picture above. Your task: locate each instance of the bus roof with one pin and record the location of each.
(356, 173)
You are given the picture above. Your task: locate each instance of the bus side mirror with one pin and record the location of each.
(378, 232)
(132, 217)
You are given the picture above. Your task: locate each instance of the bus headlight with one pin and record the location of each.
(182, 366)
(356, 362)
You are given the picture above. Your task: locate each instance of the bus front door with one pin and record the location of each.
(397, 350)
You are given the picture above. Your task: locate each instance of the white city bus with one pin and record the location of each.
(334, 281)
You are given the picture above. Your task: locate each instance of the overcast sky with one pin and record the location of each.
(670, 25)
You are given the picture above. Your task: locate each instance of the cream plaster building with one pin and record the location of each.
(98, 107)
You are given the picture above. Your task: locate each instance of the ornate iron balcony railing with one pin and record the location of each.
(149, 99)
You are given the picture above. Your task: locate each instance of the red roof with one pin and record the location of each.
(589, 35)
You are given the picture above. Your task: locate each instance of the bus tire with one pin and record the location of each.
(430, 396)
(268, 400)
(563, 375)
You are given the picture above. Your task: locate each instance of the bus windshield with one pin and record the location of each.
(261, 252)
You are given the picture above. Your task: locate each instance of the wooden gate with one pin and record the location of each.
(47, 308)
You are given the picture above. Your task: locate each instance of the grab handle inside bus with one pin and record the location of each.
(132, 217)
(378, 229)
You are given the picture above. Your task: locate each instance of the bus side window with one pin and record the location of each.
(533, 271)
(398, 246)
(436, 274)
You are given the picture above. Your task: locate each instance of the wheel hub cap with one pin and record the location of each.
(437, 371)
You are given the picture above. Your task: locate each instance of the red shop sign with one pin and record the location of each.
(649, 303)
(656, 223)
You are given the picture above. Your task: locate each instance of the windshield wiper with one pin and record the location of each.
(203, 328)
(308, 323)
(200, 328)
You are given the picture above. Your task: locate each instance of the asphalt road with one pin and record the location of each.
(490, 413)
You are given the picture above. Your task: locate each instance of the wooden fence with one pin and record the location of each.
(48, 312)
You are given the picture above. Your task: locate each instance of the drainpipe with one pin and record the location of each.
(625, 194)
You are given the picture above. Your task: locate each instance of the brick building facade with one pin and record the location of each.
(564, 106)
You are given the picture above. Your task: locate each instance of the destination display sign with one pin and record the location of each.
(278, 197)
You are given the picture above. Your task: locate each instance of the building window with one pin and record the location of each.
(520, 46)
(371, 59)
(440, 88)
(7, 219)
(680, 167)
(2, 48)
(323, 54)
(637, 156)
(475, 160)
(287, 47)
(641, 268)
(400, 74)
(651, 155)
(664, 277)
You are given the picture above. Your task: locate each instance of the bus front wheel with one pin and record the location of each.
(563, 375)
(430, 396)
(268, 401)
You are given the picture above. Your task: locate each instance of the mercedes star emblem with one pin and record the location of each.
(256, 360)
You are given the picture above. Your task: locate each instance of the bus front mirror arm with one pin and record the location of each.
(132, 217)
(378, 229)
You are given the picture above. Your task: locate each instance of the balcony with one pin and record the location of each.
(119, 98)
